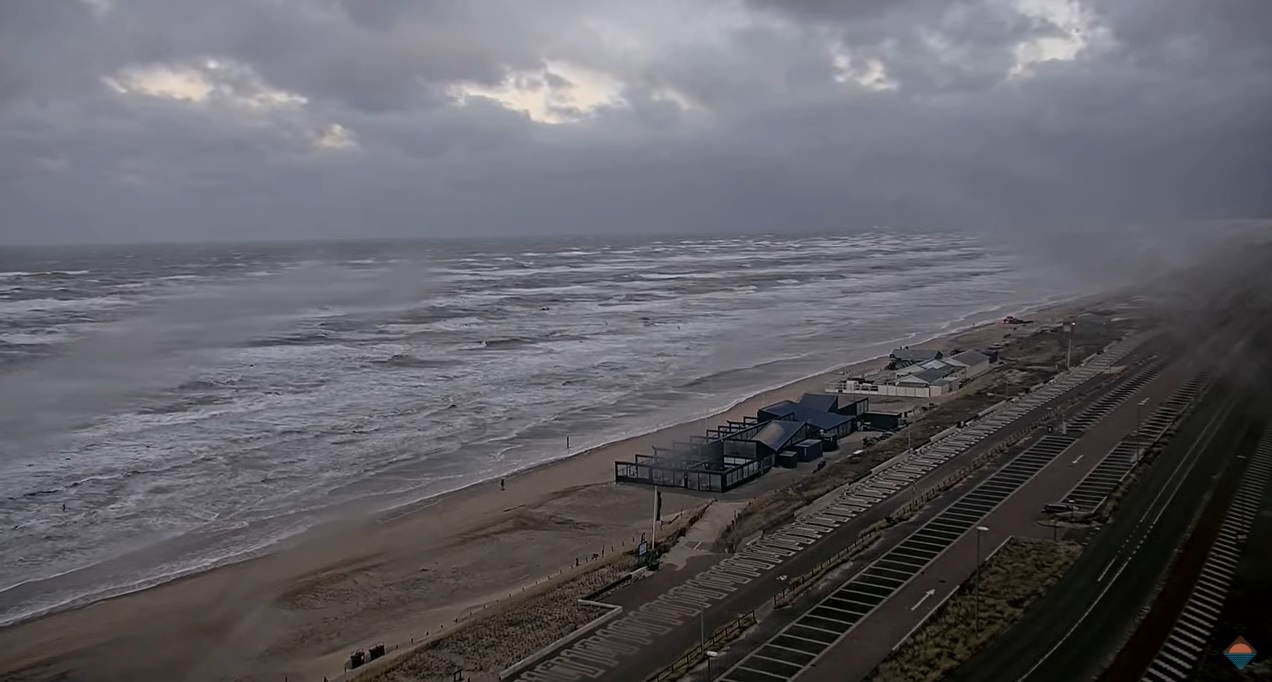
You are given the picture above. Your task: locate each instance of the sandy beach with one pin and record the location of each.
(296, 613)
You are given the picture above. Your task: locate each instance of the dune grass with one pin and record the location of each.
(1013, 578)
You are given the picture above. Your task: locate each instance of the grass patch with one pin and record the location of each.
(1013, 578)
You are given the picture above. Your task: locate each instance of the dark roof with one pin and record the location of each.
(819, 401)
(812, 408)
(915, 354)
(971, 357)
(783, 408)
(847, 402)
(777, 435)
(822, 420)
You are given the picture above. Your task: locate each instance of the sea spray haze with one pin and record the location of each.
(193, 405)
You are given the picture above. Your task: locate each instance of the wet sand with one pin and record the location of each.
(298, 612)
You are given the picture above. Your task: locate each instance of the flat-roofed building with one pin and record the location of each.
(906, 356)
(973, 362)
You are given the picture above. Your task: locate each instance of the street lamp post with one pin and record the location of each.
(1068, 355)
(979, 530)
(653, 526)
(1139, 436)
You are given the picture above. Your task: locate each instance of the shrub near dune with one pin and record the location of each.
(1012, 579)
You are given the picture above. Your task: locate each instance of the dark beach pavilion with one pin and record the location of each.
(781, 434)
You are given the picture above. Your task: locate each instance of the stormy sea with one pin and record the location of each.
(164, 409)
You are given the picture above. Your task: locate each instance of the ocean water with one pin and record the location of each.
(167, 409)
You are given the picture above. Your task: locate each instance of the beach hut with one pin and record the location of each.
(885, 421)
(808, 450)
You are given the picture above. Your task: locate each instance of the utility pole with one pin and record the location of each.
(979, 530)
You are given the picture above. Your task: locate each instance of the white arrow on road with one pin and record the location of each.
(925, 598)
(1079, 459)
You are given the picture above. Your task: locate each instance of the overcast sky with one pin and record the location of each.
(142, 120)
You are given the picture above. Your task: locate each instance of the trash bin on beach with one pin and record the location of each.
(375, 652)
(356, 659)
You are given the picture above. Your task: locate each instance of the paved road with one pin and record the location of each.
(862, 621)
(1073, 630)
(1174, 633)
(1245, 608)
(668, 613)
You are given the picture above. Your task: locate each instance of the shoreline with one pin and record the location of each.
(371, 512)
(377, 528)
(407, 508)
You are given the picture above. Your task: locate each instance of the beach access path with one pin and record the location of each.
(671, 610)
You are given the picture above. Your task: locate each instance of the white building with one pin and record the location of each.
(911, 386)
(943, 366)
(928, 379)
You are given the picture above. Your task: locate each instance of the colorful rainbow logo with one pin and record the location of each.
(1240, 653)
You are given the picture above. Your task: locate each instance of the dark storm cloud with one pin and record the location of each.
(1163, 115)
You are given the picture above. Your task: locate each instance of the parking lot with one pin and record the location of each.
(830, 640)
(788, 653)
(1106, 404)
(903, 471)
(1096, 487)
(1190, 637)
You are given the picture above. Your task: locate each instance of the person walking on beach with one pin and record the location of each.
(501, 484)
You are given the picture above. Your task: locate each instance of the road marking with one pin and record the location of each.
(1189, 458)
(919, 603)
(1184, 644)
(623, 637)
(1110, 563)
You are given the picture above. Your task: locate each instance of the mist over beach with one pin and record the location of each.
(288, 289)
(192, 405)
